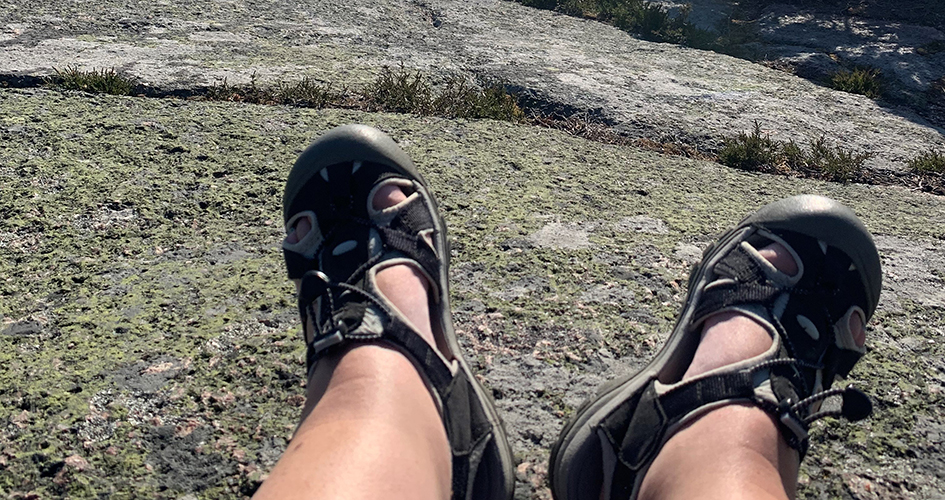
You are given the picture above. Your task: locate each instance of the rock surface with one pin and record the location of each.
(149, 340)
(558, 63)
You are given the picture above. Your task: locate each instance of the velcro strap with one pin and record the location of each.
(750, 284)
(722, 296)
(655, 413)
(740, 266)
(414, 247)
(413, 218)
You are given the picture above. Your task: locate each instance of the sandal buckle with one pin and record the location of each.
(328, 341)
(790, 421)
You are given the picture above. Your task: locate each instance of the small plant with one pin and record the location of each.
(403, 91)
(758, 152)
(650, 21)
(754, 151)
(931, 48)
(307, 93)
(863, 81)
(541, 4)
(930, 162)
(836, 163)
(249, 93)
(734, 36)
(460, 99)
(397, 91)
(104, 81)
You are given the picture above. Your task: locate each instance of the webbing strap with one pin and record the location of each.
(655, 413)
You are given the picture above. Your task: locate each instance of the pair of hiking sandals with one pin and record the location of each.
(614, 437)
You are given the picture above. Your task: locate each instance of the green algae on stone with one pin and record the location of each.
(146, 304)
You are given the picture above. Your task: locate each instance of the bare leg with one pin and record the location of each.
(370, 428)
(735, 451)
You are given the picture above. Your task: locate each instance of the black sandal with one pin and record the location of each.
(332, 185)
(614, 437)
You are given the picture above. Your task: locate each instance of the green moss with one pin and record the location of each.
(141, 229)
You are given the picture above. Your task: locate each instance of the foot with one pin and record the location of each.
(734, 448)
(774, 314)
(730, 337)
(370, 251)
(364, 395)
(406, 288)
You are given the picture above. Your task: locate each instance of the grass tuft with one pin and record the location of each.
(305, 93)
(833, 163)
(756, 151)
(395, 91)
(930, 162)
(863, 81)
(104, 81)
(403, 91)
(753, 151)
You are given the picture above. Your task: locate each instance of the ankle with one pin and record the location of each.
(735, 448)
(365, 378)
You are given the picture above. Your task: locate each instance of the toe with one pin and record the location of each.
(780, 258)
(388, 196)
(299, 231)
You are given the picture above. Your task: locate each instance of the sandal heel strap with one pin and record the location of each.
(639, 427)
(640, 437)
(468, 428)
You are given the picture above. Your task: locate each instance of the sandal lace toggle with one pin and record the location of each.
(317, 285)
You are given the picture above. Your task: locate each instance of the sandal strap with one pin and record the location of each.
(342, 303)
(805, 313)
(638, 428)
(467, 426)
(793, 379)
